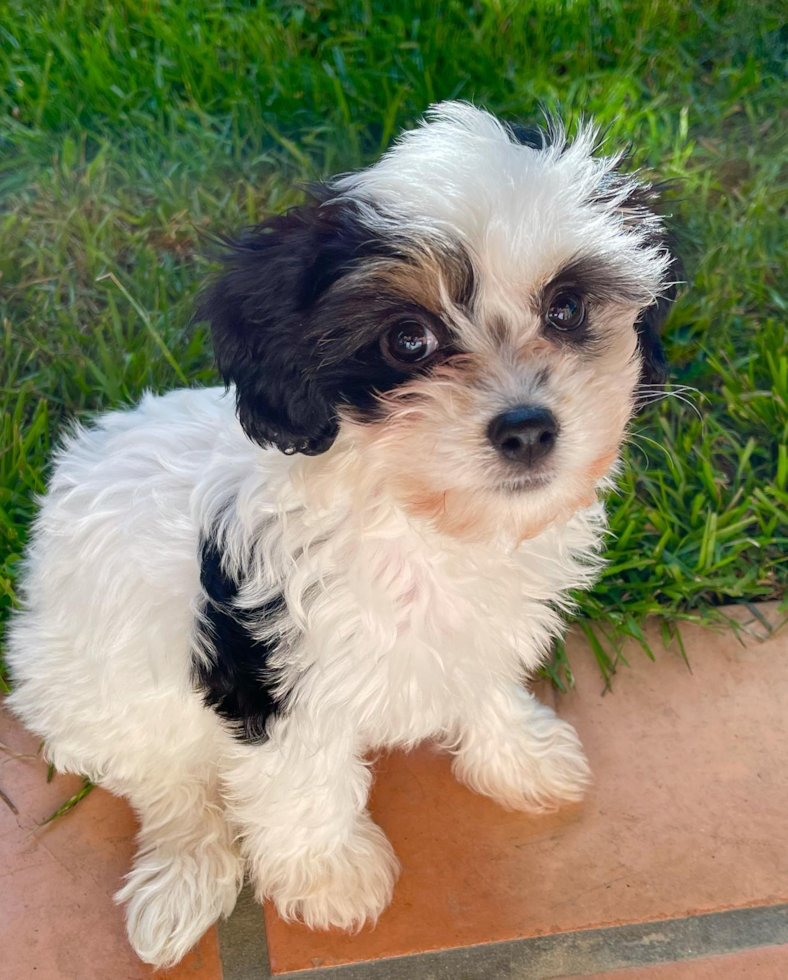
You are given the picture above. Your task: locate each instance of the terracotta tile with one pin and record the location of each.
(687, 815)
(57, 917)
(770, 963)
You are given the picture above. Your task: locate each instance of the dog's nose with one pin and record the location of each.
(524, 434)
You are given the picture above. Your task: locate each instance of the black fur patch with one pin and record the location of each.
(654, 363)
(237, 683)
(535, 137)
(296, 349)
(650, 324)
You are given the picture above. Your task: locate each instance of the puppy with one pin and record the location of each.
(233, 597)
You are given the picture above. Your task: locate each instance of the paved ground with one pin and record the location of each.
(675, 868)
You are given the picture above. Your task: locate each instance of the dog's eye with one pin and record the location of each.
(410, 342)
(567, 311)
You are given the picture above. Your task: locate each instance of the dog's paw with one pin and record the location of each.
(540, 768)
(345, 885)
(173, 896)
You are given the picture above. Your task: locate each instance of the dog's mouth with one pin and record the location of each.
(524, 484)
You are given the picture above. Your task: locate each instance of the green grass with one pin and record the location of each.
(128, 128)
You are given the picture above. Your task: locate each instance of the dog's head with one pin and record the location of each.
(476, 312)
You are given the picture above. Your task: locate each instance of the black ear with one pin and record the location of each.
(535, 137)
(645, 200)
(654, 364)
(259, 311)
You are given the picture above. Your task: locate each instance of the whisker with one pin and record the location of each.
(686, 401)
(649, 394)
(636, 436)
(670, 389)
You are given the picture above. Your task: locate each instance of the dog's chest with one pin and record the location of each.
(412, 637)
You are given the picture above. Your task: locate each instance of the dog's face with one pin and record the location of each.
(475, 313)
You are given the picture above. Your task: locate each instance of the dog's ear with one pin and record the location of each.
(259, 311)
(654, 364)
(643, 203)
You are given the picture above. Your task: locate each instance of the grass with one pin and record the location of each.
(128, 128)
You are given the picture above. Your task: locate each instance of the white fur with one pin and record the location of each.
(411, 636)
(395, 630)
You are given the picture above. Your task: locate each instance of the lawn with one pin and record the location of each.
(128, 128)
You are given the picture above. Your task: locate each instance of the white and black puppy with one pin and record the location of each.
(231, 601)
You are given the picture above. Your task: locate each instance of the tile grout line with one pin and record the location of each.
(243, 945)
(581, 953)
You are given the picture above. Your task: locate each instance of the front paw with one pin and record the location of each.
(537, 771)
(173, 895)
(345, 884)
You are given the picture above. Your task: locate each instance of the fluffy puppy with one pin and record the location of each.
(232, 598)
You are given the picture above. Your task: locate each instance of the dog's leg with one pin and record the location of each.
(299, 800)
(516, 750)
(187, 871)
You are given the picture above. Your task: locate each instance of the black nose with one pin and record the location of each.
(524, 434)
